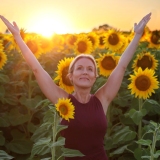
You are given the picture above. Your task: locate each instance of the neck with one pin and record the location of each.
(82, 97)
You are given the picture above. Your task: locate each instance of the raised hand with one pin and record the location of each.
(139, 28)
(13, 28)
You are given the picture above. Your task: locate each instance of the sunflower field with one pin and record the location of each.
(26, 116)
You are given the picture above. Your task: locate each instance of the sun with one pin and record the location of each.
(48, 24)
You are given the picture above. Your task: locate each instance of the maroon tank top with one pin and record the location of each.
(87, 130)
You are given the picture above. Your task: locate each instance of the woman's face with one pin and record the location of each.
(83, 73)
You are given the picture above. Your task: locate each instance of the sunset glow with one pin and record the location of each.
(48, 24)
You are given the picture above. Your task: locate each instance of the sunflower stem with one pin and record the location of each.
(53, 149)
(140, 123)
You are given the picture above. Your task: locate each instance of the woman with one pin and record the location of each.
(86, 131)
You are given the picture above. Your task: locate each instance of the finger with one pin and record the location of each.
(147, 17)
(5, 20)
(15, 25)
(135, 24)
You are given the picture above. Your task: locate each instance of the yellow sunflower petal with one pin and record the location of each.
(34, 45)
(83, 45)
(114, 40)
(106, 63)
(62, 75)
(145, 60)
(65, 108)
(143, 83)
(3, 59)
(153, 39)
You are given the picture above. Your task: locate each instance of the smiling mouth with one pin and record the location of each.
(84, 78)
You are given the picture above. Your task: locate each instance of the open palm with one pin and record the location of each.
(13, 28)
(139, 28)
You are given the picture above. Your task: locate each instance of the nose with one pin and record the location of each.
(85, 71)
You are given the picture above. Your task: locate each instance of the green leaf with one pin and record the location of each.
(61, 127)
(41, 147)
(148, 157)
(4, 155)
(20, 146)
(154, 124)
(123, 135)
(136, 116)
(157, 154)
(2, 140)
(60, 142)
(153, 102)
(141, 152)
(4, 78)
(16, 118)
(41, 132)
(144, 142)
(31, 127)
(120, 150)
(4, 121)
(71, 153)
(2, 91)
(44, 102)
(30, 102)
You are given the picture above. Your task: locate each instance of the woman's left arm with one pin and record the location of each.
(109, 90)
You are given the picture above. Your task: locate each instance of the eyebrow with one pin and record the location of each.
(87, 66)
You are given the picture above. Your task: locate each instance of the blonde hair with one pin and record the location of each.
(71, 66)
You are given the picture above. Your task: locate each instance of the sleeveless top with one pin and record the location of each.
(87, 130)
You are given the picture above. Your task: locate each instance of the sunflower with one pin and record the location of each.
(34, 45)
(113, 40)
(62, 75)
(124, 46)
(143, 83)
(58, 42)
(23, 33)
(145, 60)
(46, 44)
(106, 63)
(8, 42)
(145, 34)
(93, 37)
(3, 58)
(65, 108)
(101, 38)
(83, 45)
(154, 39)
(70, 40)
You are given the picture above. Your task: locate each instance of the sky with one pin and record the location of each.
(76, 16)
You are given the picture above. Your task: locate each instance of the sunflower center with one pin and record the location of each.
(142, 83)
(154, 39)
(63, 109)
(32, 46)
(65, 78)
(101, 40)
(82, 47)
(0, 58)
(113, 39)
(145, 62)
(108, 63)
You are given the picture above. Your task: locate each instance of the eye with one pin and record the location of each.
(90, 69)
(79, 68)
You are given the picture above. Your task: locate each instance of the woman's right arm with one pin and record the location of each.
(48, 87)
